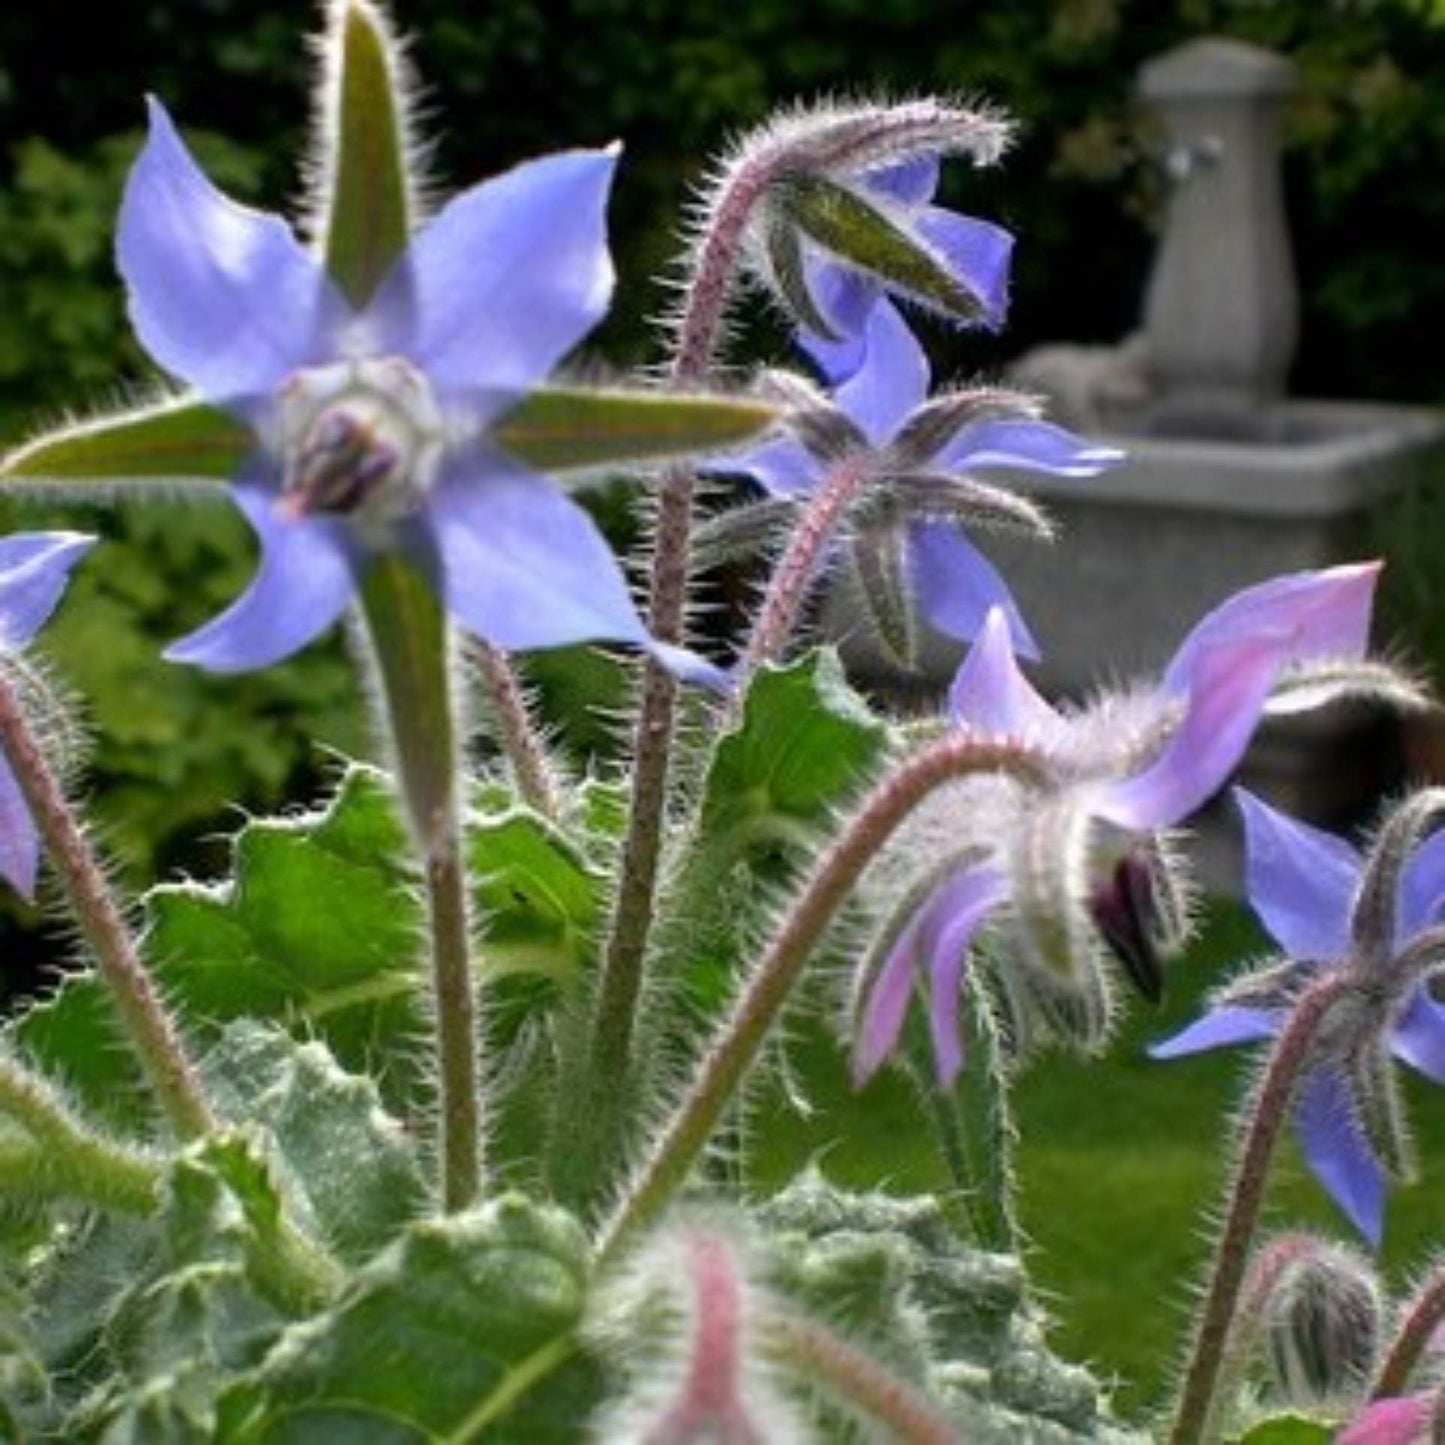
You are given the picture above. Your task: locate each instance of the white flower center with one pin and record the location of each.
(359, 438)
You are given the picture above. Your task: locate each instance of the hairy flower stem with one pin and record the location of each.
(524, 749)
(794, 574)
(67, 1159)
(713, 270)
(409, 633)
(815, 1352)
(1418, 1323)
(737, 1042)
(1261, 1122)
(144, 1016)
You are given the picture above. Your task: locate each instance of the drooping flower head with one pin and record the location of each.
(1058, 865)
(1328, 907)
(371, 426)
(847, 215)
(34, 568)
(975, 254)
(915, 488)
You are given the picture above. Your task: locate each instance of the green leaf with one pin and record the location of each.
(861, 234)
(1287, 1430)
(804, 743)
(141, 1322)
(354, 1168)
(173, 443)
(568, 428)
(539, 895)
(440, 1336)
(957, 1321)
(368, 208)
(320, 930)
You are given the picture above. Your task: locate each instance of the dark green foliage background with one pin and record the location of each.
(674, 80)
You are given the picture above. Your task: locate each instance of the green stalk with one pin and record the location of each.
(367, 220)
(409, 632)
(625, 950)
(147, 1022)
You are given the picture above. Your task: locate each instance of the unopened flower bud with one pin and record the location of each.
(1405, 1420)
(1323, 1325)
(719, 1395)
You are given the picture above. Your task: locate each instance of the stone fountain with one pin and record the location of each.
(1227, 480)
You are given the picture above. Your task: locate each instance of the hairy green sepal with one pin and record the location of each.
(175, 443)
(850, 227)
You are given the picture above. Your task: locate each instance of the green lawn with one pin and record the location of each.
(1119, 1159)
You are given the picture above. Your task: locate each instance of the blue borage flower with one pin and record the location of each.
(371, 426)
(34, 568)
(1116, 775)
(954, 585)
(1305, 887)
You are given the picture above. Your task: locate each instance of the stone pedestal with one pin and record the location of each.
(1221, 314)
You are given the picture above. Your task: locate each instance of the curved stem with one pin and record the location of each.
(147, 1022)
(816, 1352)
(409, 632)
(714, 266)
(794, 574)
(742, 1035)
(1262, 1120)
(524, 749)
(1418, 1323)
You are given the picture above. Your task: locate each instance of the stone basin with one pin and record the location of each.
(1150, 545)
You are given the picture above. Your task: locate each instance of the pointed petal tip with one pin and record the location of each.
(865, 1063)
(22, 873)
(688, 667)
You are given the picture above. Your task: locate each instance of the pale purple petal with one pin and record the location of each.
(1338, 1153)
(947, 920)
(34, 568)
(506, 280)
(955, 916)
(844, 298)
(1227, 693)
(977, 255)
(887, 1003)
(521, 564)
(1032, 446)
(957, 586)
(783, 467)
(690, 667)
(891, 382)
(1418, 1037)
(992, 697)
(19, 844)
(1309, 615)
(1301, 881)
(1220, 1028)
(910, 182)
(223, 297)
(1403, 1420)
(1422, 889)
(305, 579)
